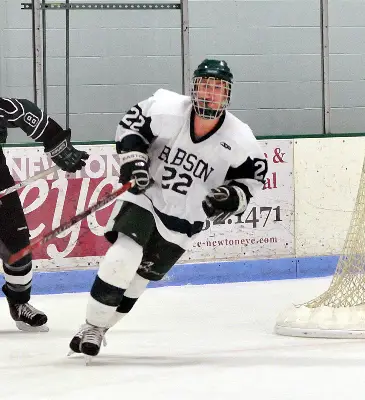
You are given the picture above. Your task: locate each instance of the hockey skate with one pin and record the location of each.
(76, 340)
(88, 340)
(27, 318)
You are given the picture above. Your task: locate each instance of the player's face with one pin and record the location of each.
(210, 96)
(212, 93)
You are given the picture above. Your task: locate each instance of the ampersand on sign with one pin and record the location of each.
(278, 156)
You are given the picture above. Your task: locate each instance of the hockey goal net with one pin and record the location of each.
(340, 311)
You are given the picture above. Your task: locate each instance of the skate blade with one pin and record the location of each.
(87, 360)
(22, 326)
(71, 352)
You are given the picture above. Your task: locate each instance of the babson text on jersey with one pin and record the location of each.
(188, 161)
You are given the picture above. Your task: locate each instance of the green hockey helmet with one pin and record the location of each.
(211, 89)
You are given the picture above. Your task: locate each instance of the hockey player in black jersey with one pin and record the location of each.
(23, 114)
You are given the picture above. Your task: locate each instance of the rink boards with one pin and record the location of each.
(295, 228)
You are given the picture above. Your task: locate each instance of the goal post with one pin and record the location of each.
(340, 311)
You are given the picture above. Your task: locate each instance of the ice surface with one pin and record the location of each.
(184, 343)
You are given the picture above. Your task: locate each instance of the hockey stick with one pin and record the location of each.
(26, 182)
(74, 220)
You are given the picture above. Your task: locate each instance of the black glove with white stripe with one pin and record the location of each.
(135, 165)
(64, 154)
(223, 202)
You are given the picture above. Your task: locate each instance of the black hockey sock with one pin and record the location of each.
(18, 279)
(126, 305)
(105, 293)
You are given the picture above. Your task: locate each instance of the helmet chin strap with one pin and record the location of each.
(208, 113)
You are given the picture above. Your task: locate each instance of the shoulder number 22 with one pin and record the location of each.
(260, 169)
(134, 119)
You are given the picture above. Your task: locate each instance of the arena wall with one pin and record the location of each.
(295, 228)
(120, 57)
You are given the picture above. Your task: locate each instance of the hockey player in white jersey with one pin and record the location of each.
(191, 160)
(14, 232)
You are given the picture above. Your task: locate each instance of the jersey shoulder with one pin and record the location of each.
(241, 140)
(238, 131)
(166, 102)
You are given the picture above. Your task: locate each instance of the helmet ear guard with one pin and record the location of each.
(211, 88)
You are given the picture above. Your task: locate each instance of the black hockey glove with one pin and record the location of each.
(135, 165)
(65, 155)
(223, 202)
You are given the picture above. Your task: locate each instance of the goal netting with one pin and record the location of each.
(340, 311)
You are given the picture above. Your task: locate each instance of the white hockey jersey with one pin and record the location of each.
(184, 169)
